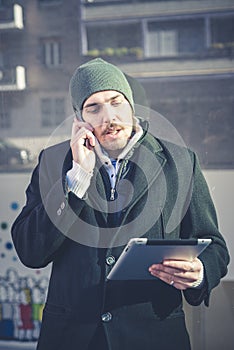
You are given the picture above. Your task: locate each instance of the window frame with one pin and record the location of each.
(52, 52)
(50, 114)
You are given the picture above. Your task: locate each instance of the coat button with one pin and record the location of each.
(62, 205)
(59, 212)
(110, 260)
(106, 317)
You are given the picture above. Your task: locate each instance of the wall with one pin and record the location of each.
(210, 328)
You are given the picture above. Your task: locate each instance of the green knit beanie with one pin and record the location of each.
(94, 76)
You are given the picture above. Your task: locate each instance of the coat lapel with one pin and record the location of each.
(149, 162)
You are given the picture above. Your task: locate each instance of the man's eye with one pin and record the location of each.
(116, 102)
(93, 109)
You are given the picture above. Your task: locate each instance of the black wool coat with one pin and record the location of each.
(167, 198)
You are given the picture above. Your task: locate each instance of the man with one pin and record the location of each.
(87, 197)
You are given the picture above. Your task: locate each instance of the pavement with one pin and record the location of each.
(12, 345)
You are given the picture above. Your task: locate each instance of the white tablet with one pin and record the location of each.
(141, 253)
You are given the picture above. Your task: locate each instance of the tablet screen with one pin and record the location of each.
(141, 253)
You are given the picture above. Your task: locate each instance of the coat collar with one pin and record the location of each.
(148, 159)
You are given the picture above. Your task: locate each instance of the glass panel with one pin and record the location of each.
(222, 30)
(123, 36)
(163, 43)
(5, 120)
(52, 53)
(59, 110)
(166, 38)
(46, 112)
(52, 111)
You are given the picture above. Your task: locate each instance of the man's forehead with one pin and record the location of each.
(103, 96)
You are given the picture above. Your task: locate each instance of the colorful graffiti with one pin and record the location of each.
(21, 306)
(22, 290)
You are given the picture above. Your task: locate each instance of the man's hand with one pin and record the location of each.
(82, 144)
(179, 273)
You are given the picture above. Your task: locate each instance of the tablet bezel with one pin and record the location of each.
(140, 253)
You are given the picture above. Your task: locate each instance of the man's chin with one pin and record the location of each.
(113, 147)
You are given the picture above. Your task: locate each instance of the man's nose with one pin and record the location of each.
(109, 113)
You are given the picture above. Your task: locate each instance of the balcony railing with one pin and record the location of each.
(11, 18)
(126, 10)
(12, 79)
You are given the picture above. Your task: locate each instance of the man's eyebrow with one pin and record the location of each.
(114, 97)
(91, 104)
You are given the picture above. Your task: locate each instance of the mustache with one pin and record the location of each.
(112, 127)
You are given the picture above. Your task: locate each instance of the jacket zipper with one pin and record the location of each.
(112, 196)
(113, 189)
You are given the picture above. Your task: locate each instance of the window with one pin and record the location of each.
(5, 120)
(162, 43)
(202, 112)
(222, 30)
(51, 52)
(52, 111)
(173, 38)
(119, 41)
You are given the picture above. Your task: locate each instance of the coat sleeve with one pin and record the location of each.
(41, 227)
(200, 221)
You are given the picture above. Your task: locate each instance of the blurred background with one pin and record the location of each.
(182, 52)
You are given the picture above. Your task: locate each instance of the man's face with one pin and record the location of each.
(111, 117)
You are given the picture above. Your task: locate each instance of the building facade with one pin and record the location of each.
(181, 51)
(39, 52)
